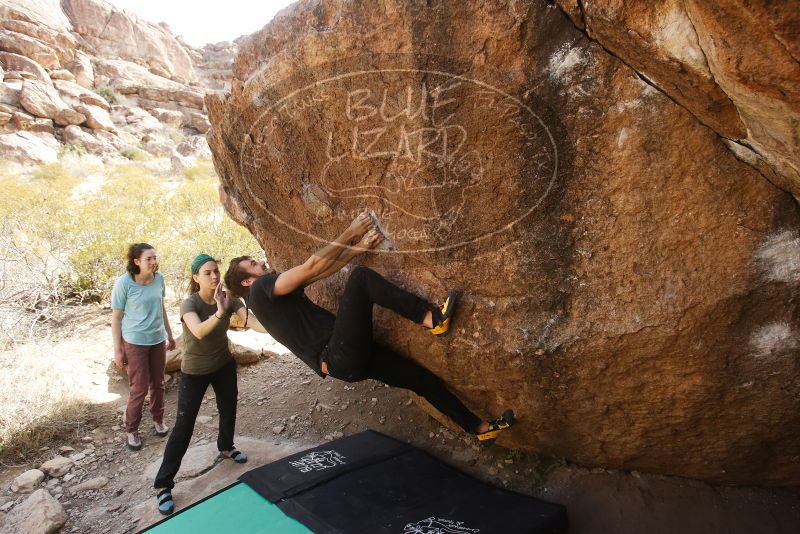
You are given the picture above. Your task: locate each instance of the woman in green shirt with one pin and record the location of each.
(205, 316)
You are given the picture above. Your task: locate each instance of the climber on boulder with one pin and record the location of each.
(342, 346)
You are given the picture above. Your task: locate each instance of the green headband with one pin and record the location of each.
(199, 261)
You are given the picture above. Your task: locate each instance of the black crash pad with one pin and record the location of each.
(371, 483)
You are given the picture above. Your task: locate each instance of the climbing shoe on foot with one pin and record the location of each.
(165, 503)
(495, 427)
(441, 316)
(236, 455)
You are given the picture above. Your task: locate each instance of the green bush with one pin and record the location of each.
(134, 154)
(202, 170)
(54, 174)
(176, 136)
(109, 94)
(86, 236)
(72, 149)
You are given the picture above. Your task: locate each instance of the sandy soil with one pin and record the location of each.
(285, 404)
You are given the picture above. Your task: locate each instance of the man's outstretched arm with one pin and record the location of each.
(326, 260)
(368, 241)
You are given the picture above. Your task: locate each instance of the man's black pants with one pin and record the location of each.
(190, 395)
(352, 355)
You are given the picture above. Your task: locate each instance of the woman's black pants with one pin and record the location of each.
(352, 355)
(190, 395)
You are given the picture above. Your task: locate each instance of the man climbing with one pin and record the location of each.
(342, 346)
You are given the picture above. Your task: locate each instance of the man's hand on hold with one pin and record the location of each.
(371, 239)
(360, 225)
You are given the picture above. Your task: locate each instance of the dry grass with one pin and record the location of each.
(48, 392)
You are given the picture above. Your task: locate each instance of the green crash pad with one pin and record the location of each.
(237, 508)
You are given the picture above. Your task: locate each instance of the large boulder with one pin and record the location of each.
(112, 32)
(734, 64)
(57, 467)
(127, 78)
(38, 514)
(81, 67)
(170, 117)
(139, 121)
(96, 117)
(39, 13)
(621, 268)
(15, 62)
(195, 146)
(182, 97)
(198, 121)
(91, 140)
(21, 44)
(41, 99)
(69, 116)
(62, 74)
(27, 481)
(9, 93)
(38, 124)
(75, 94)
(29, 148)
(59, 40)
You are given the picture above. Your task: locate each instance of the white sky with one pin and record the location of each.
(206, 21)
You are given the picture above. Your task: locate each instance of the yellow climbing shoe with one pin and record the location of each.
(446, 312)
(495, 427)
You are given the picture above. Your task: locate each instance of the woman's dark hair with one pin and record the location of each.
(134, 253)
(194, 287)
(234, 277)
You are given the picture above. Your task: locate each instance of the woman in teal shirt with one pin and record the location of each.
(142, 336)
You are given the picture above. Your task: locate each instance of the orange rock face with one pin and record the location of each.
(628, 281)
(734, 64)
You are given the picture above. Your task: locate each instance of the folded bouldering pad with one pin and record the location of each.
(371, 483)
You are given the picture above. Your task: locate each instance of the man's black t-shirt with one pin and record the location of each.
(293, 320)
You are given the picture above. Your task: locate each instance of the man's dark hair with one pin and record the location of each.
(234, 277)
(134, 253)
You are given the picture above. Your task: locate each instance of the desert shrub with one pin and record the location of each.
(175, 135)
(209, 230)
(134, 154)
(32, 251)
(202, 170)
(109, 94)
(57, 246)
(72, 149)
(55, 175)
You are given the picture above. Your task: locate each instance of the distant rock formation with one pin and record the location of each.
(630, 275)
(74, 71)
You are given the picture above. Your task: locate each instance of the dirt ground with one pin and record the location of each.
(283, 402)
